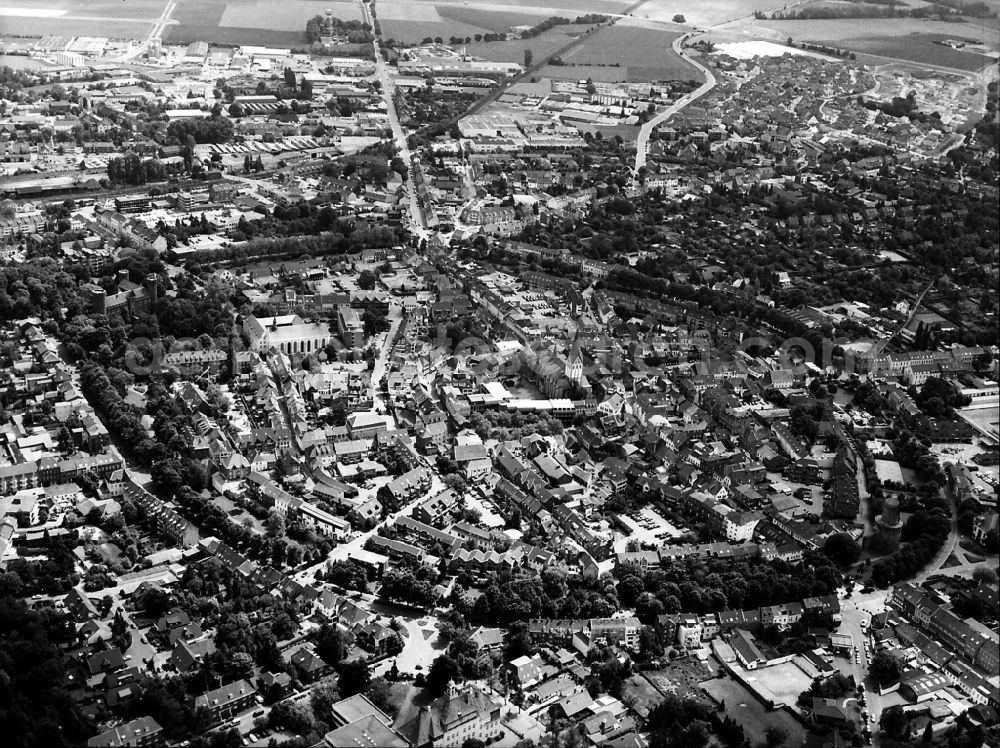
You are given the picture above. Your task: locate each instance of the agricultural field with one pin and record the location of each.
(541, 46)
(273, 22)
(920, 49)
(705, 14)
(643, 53)
(489, 20)
(544, 7)
(268, 22)
(904, 39)
(583, 72)
(413, 20)
(107, 18)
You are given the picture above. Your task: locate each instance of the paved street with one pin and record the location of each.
(345, 550)
(384, 77)
(853, 610)
(949, 545)
(642, 142)
(395, 318)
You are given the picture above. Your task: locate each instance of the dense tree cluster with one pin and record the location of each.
(410, 583)
(210, 130)
(135, 171)
(835, 686)
(356, 32)
(36, 708)
(553, 21)
(924, 533)
(885, 668)
(939, 398)
(513, 596)
(695, 586)
(842, 549)
(504, 425)
(687, 722)
(40, 287)
(348, 574)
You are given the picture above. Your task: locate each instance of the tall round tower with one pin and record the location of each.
(151, 288)
(888, 525)
(98, 301)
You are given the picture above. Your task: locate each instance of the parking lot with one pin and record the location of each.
(647, 526)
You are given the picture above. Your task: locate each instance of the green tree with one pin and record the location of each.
(443, 671)
(894, 723)
(354, 678)
(885, 668)
(330, 644)
(842, 549)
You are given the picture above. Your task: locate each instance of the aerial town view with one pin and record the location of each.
(453, 373)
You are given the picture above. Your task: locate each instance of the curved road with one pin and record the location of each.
(642, 142)
(954, 536)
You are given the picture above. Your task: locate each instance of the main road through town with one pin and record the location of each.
(384, 78)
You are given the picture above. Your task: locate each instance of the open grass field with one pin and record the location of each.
(748, 712)
(645, 53)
